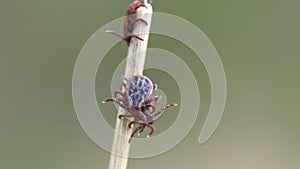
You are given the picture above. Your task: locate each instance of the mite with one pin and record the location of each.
(138, 101)
(130, 20)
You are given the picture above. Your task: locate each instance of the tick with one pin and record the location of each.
(138, 101)
(129, 21)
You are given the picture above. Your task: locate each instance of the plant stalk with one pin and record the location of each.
(134, 65)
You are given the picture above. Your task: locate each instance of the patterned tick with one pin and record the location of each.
(138, 101)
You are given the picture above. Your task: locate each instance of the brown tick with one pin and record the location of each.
(130, 20)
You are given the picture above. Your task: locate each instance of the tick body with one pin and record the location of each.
(139, 90)
(138, 101)
(129, 21)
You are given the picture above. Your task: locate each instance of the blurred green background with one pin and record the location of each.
(258, 41)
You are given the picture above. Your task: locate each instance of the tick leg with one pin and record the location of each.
(139, 20)
(128, 38)
(116, 34)
(156, 99)
(154, 87)
(140, 5)
(120, 93)
(153, 100)
(151, 128)
(163, 109)
(124, 81)
(124, 78)
(142, 129)
(134, 132)
(150, 106)
(125, 116)
(116, 101)
(131, 123)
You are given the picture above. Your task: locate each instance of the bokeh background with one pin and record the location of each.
(258, 41)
